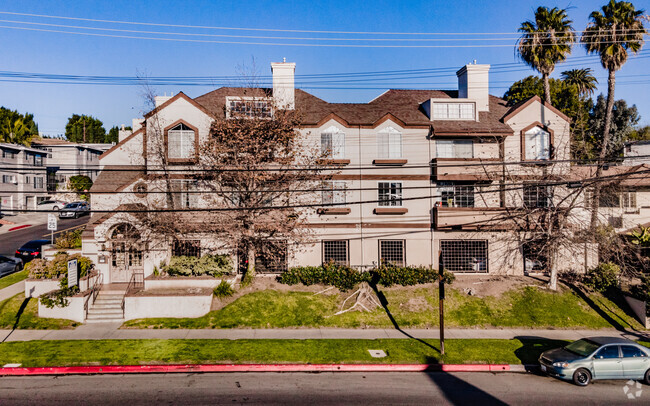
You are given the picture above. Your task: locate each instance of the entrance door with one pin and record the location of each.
(125, 261)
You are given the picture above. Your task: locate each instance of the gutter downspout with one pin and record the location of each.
(360, 197)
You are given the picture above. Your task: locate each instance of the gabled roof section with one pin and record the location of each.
(523, 104)
(114, 178)
(124, 141)
(179, 95)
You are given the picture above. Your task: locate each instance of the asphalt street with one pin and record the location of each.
(314, 389)
(12, 240)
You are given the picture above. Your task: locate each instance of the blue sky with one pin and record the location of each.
(60, 53)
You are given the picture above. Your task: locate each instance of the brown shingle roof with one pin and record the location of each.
(404, 105)
(114, 178)
(627, 176)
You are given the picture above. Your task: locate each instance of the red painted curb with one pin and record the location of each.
(148, 369)
(19, 227)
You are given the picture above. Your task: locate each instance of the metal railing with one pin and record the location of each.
(94, 291)
(136, 282)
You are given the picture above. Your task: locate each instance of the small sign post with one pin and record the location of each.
(51, 224)
(73, 274)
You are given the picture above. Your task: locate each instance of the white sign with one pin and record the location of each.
(51, 222)
(72, 273)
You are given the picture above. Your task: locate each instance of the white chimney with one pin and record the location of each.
(123, 133)
(136, 124)
(283, 84)
(474, 84)
(161, 99)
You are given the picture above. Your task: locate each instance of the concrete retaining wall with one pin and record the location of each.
(181, 283)
(639, 309)
(142, 307)
(36, 287)
(74, 311)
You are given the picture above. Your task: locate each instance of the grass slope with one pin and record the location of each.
(21, 313)
(414, 307)
(134, 352)
(13, 278)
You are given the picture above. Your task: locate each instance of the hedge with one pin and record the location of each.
(213, 265)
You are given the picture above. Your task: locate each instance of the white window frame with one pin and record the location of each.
(251, 110)
(453, 149)
(334, 193)
(453, 111)
(185, 199)
(332, 143)
(183, 146)
(393, 201)
(389, 143)
(537, 144)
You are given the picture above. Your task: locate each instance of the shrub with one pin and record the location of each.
(58, 267)
(389, 275)
(603, 277)
(59, 298)
(224, 289)
(69, 239)
(642, 290)
(213, 265)
(80, 183)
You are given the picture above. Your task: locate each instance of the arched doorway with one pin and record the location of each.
(126, 252)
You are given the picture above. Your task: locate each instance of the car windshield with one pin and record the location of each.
(71, 206)
(582, 347)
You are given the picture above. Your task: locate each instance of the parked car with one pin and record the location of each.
(598, 358)
(31, 250)
(9, 265)
(50, 205)
(74, 210)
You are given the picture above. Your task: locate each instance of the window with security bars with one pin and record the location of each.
(186, 248)
(180, 142)
(392, 252)
(452, 195)
(389, 144)
(272, 258)
(332, 143)
(390, 194)
(336, 251)
(536, 196)
(333, 192)
(464, 255)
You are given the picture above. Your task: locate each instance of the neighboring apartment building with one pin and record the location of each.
(636, 153)
(66, 159)
(23, 177)
(428, 165)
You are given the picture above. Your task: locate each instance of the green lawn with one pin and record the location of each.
(414, 307)
(13, 278)
(21, 313)
(133, 352)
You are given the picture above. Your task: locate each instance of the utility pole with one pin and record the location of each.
(441, 310)
(84, 129)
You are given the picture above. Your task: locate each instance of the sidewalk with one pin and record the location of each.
(111, 331)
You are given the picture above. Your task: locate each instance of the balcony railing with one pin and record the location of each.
(465, 169)
(470, 218)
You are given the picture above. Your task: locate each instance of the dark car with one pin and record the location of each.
(74, 210)
(598, 358)
(9, 265)
(31, 250)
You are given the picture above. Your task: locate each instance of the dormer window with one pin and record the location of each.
(453, 111)
(181, 142)
(249, 108)
(536, 145)
(389, 144)
(332, 143)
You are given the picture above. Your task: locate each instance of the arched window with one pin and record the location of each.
(180, 142)
(389, 143)
(537, 144)
(332, 143)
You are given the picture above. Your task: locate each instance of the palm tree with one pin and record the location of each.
(582, 79)
(16, 132)
(545, 42)
(611, 34)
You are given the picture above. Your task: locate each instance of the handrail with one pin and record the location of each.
(135, 281)
(94, 291)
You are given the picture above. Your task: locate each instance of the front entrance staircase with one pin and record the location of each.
(107, 307)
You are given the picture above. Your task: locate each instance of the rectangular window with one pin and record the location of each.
(453, 111)
(392, 252)
(389, 145)
(333, 145)
(28, 180)
(249, 108)
(272, 258)
(333, 192)
(27, 156)
(464, 255)
(187, 248)
(452, 195)
(537, 144)
(390, 193)
(38, 183)
(8, 179)
(38, 160)
(185, 193)
(536, 196)
(628, 200)
(8, 154)
(454, 148)
(336, 251)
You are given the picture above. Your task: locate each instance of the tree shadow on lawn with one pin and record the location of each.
(384, 304)
(619, 323)
(532, 347)
(20, 312)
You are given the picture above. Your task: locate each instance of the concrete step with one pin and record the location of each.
(108, 302)
(95, 311)
(114, 320)
(104, 317)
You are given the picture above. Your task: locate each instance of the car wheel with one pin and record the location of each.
(581, 377)
(646, 378)
(17, 268)
(55, 208)
(76, 215)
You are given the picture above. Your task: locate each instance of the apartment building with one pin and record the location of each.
(66, 159)
(23, 177)
(420, 176)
